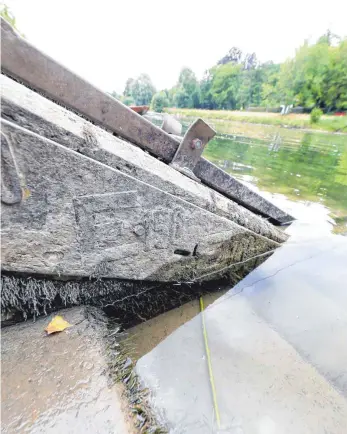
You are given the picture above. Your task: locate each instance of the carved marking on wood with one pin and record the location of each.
(164, 227)
(105, 220)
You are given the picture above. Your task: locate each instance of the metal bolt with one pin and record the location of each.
(196, 144)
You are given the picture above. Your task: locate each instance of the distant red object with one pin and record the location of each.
(340, 114)
(140, 109)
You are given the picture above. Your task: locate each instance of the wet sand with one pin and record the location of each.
(146, 336)
(59, 383)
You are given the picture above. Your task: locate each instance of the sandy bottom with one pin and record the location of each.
(144, 337)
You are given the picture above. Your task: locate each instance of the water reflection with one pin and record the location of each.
(296, 169)
(275, 143)
(310, 168)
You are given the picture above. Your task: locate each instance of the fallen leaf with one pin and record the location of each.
(26, 193)
(58, 324)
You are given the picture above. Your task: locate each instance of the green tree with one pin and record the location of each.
(127, 100)
(335, 83)
(141, 89)
(285, 89)
(187, 93)
(159, 101)
(115, 95)
(225, 85)
(316, 114)
(235, 82)
(183, 99)
(207, 101)
(311, 65)
(269, 89)
(244, 93)
(171, 94)
(128, 87)
(250, 88)
(316, 76)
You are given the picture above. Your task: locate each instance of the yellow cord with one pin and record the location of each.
(213, 387)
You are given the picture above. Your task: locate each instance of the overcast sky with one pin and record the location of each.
(107, 41)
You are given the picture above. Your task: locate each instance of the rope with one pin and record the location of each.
(213, 387)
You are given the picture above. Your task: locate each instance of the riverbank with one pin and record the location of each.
(337, 124)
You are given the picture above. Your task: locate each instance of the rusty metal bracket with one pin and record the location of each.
(191, 147)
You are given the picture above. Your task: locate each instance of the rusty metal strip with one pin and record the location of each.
(221, 181)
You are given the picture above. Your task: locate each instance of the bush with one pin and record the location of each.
(127, 100)
(159, 102)
(316, 114)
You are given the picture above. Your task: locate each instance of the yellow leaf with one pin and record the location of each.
(58, 324)
(26, 193)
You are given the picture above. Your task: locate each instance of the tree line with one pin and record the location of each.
(316, 77)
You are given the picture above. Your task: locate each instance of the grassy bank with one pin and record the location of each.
(326, 123)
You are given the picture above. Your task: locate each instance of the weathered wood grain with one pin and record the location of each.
(38, 114)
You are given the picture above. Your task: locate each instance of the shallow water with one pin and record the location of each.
(276, 344)
(147, 335)
(305, 167)
(303, 173)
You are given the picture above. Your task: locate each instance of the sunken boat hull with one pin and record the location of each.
(98, 192)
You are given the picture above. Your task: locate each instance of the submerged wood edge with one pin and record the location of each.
(27, 64)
